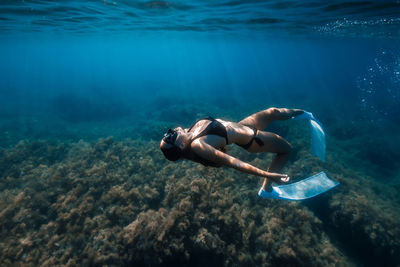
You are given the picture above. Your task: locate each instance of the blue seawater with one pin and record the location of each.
(74, 72)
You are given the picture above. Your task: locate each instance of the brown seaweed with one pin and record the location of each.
(121, 203)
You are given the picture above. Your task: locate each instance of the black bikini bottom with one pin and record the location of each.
(255, 138)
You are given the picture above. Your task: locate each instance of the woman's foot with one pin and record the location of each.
(265, 194)
(267, 185)
(297, 112)
(304, 116)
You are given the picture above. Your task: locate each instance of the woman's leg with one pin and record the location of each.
(273, 143)
(261, 119)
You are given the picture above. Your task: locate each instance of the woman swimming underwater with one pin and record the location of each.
(204, 142)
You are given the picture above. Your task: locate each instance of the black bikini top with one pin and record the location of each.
(214, 128)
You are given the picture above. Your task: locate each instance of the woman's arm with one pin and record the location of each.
(208, 152)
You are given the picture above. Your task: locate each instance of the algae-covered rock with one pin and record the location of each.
(121, 203)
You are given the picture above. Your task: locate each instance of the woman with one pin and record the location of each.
(204, 142)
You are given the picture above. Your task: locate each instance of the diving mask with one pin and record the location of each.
(170, 137)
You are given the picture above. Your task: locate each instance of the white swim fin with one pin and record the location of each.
(318, 142)
(304, 189)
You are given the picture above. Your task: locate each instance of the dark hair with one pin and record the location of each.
(172, 153)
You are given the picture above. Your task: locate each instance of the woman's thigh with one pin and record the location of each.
(271, 143)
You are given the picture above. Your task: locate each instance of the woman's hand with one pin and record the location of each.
(277, 177)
